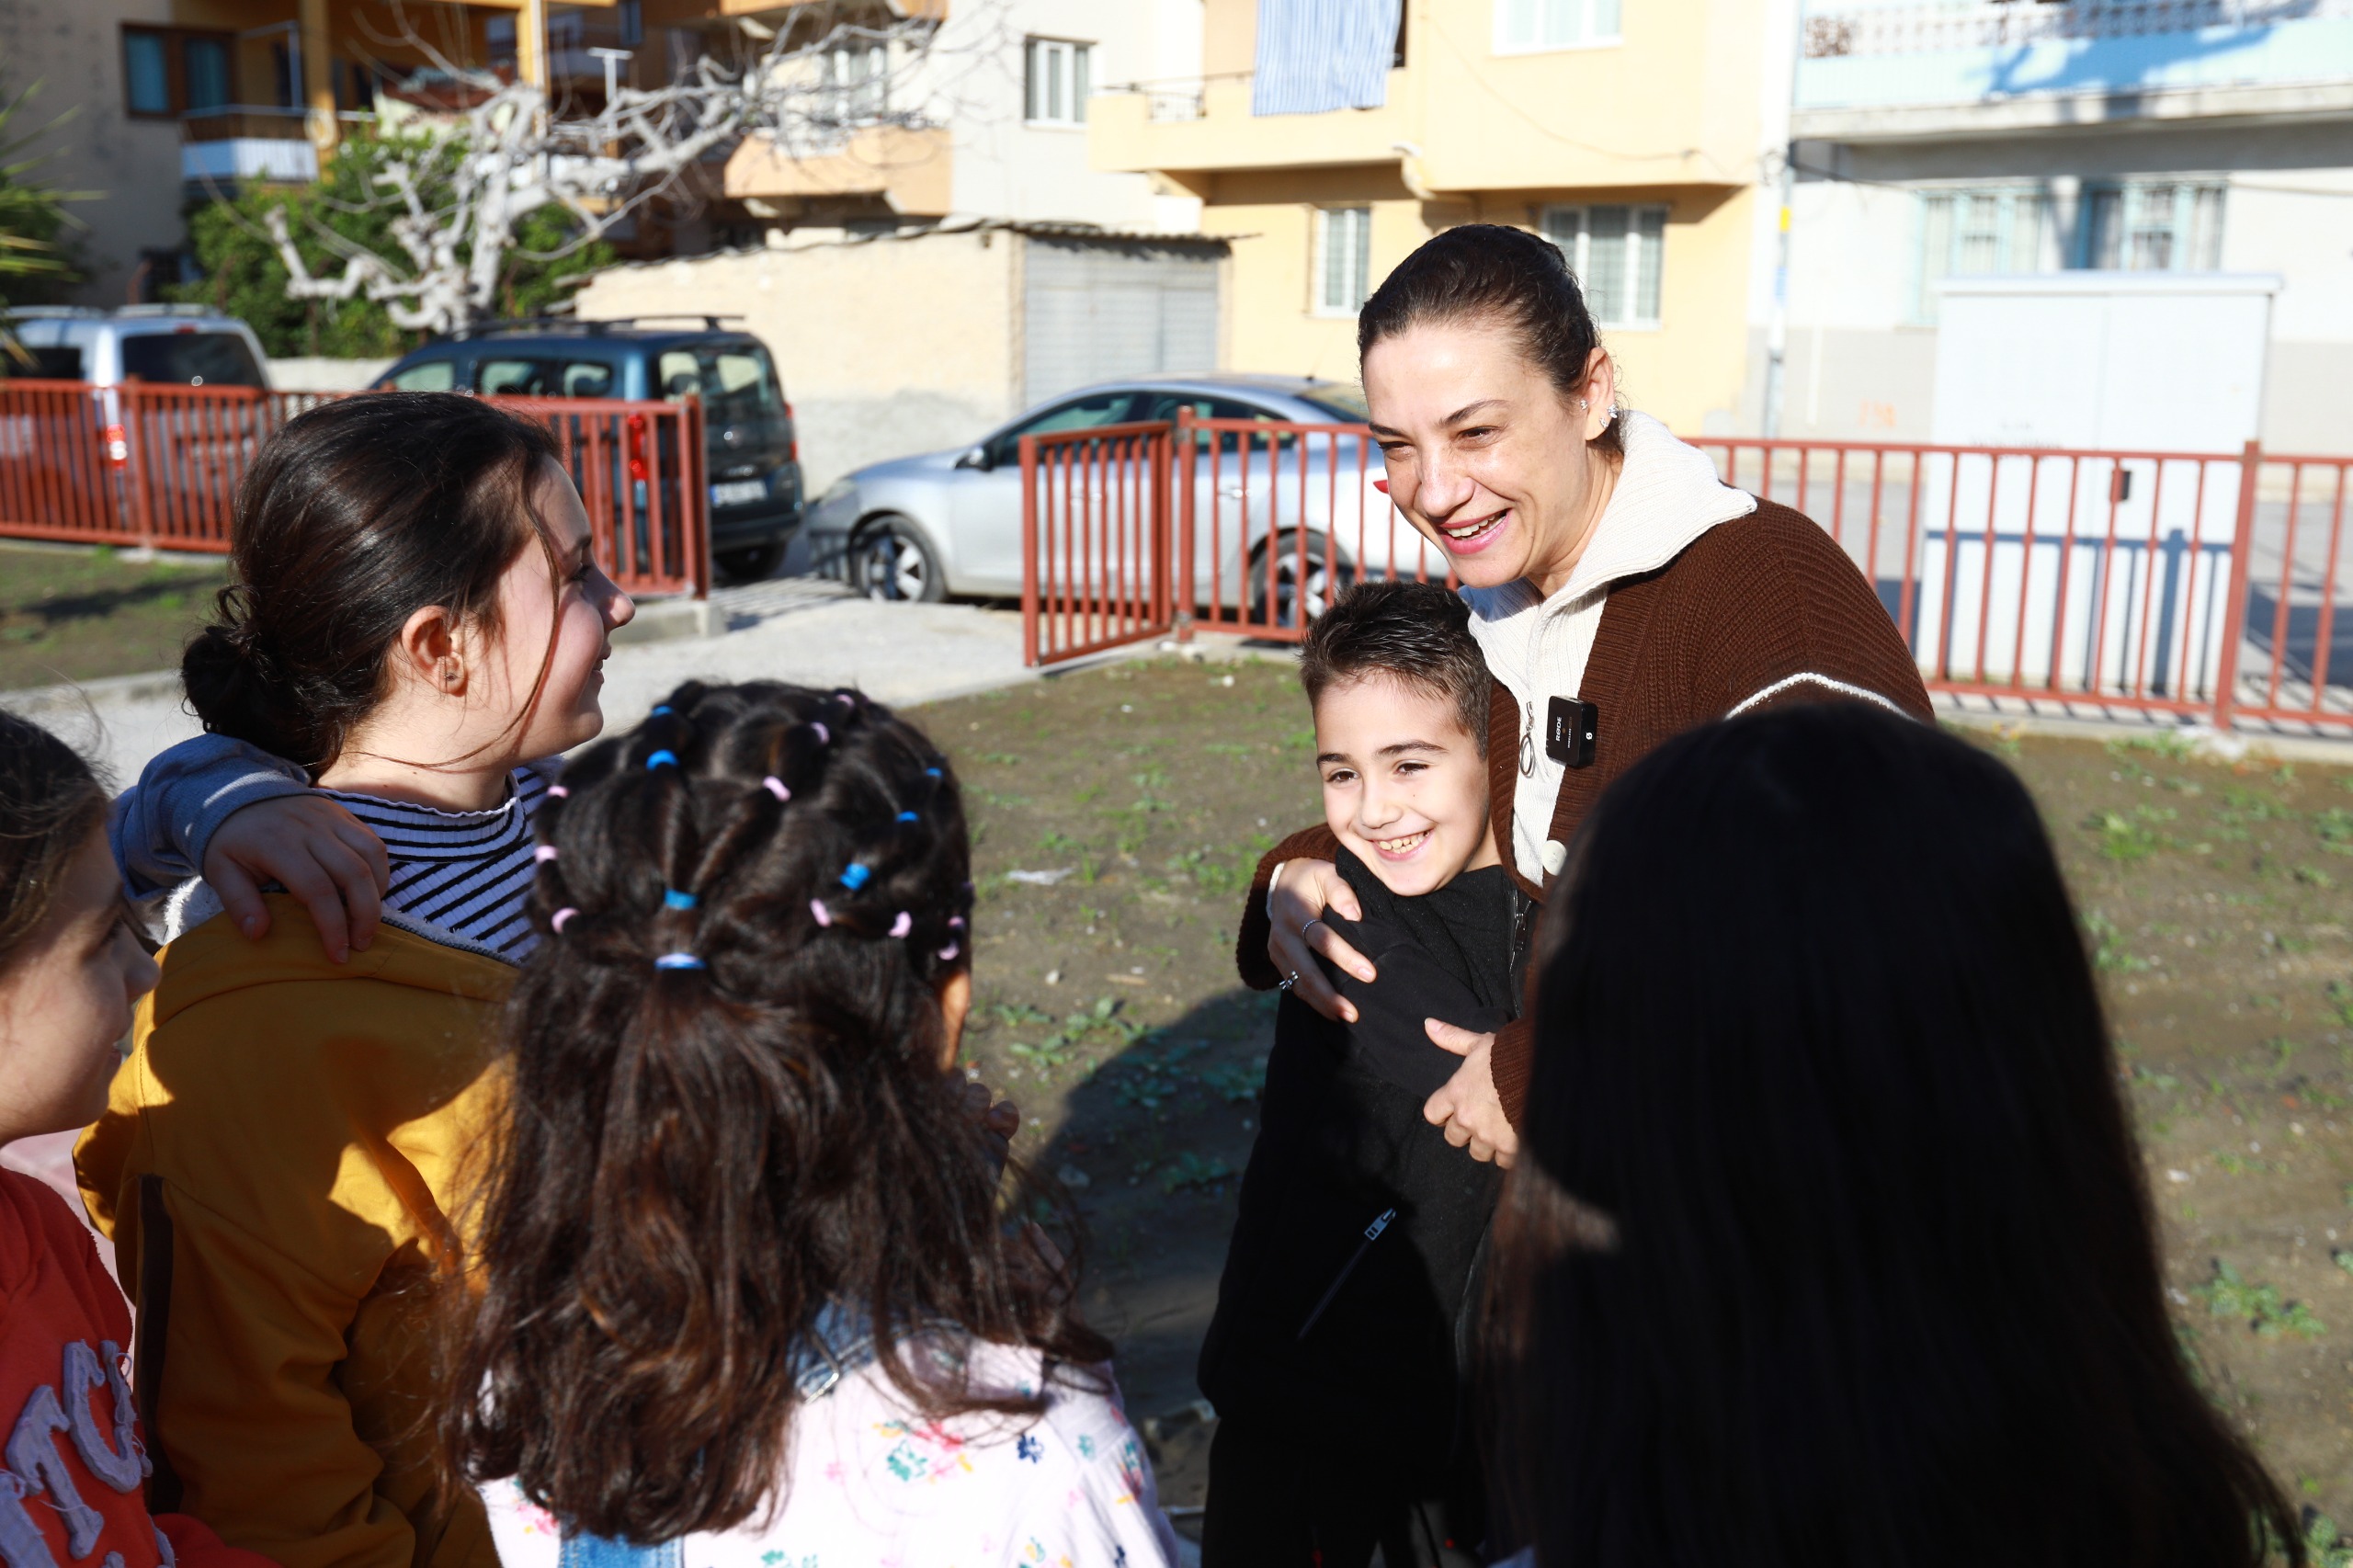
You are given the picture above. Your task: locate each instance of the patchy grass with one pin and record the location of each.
(80, 614)
(1109, 1009)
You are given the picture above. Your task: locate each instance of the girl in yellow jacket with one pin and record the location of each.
(416, 612)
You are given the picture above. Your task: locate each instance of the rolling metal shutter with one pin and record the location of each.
(1099, 310)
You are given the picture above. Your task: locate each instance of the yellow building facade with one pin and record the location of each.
(1603, 124)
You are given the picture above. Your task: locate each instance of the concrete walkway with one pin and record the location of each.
(800, 629)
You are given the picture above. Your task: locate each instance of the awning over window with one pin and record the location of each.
(1317, 55)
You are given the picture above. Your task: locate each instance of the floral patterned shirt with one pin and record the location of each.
(871, 1483)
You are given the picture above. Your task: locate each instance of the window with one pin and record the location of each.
(168, 71)
(434, 375)
(2152, 227)
(1167, 404)
(1080, 414)
(1618, 253)
(539, 378)
(855, 82)
(1980, 234)
(1523, 27)
(1057, 82)
(147, 83)
(2138, 226)
(1343, 259)
(737, 386)
(191, 359)
(629, 22)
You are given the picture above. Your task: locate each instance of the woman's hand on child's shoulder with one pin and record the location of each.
(1303, 890)
(315, 850)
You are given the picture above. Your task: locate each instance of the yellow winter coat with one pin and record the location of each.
(305, 1128)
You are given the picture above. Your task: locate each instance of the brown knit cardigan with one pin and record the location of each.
(1762, 611)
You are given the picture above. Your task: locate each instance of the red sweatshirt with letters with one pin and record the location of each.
(72, 1466)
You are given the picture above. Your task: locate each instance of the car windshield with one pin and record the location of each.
(737, 382)
(1340, 399)
(191, 359)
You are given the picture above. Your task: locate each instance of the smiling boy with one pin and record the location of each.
(1338, 1357)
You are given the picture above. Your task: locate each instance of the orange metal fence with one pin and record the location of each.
(159, 466)
(2210, 586)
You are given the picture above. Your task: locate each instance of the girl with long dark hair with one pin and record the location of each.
(1829, 1243)
(744, 1290)
(416, 615)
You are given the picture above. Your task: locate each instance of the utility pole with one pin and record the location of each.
(1777, 330)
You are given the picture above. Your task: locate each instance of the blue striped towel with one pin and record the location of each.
(1317, 55)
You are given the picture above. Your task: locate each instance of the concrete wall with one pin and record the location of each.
(1007, 168)
(887, 348)
(311, 374)
(73, 48)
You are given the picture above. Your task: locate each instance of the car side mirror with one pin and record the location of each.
(976, 457)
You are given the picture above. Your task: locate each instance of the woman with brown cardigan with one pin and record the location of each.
(1621, 595)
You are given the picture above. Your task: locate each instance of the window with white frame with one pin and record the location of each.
(1986, 232)
(2153, 226)
(1618, 253)
(1057, 83)
(2136, 226)
(855, 80)
(1343, 259)
(1523, 27)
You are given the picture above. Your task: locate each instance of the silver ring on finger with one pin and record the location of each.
(1287, 982)
(1309, 926)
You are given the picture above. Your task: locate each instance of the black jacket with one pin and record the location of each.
(1347, 1292)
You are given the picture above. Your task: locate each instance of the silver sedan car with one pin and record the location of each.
(923, 528)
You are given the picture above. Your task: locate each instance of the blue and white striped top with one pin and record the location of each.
(467, 873)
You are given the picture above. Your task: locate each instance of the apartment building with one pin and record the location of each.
(2167, 150)
(171, 100)
(1326, 142)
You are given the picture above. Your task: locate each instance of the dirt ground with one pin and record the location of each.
(80, 614)
(1119, 812)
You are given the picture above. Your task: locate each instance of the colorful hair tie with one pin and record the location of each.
(664, 707)
(819, 912)
(955, 923)
(559, 791)
(931, 773)
(543, 854)
(907, 817)
(677, 960)
(555, 922)
(824, 736)
(855, 876)
(947, 953)
(662, 759)
(775, 785)
(847, 700)
(673, 898)
(902, 925)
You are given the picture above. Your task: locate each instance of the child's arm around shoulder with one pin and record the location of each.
(242, 818)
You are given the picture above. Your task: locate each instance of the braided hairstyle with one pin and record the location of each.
(730, 1106)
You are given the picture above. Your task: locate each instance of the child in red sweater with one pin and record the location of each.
(73, 1467)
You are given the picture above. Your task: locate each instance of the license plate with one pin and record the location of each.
(737, 492)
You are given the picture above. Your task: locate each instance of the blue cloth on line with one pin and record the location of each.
(1319, 55)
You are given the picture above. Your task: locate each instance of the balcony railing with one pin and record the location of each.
(1937, 25)
(1175, 99)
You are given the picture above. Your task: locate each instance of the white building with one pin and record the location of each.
(1947, 139)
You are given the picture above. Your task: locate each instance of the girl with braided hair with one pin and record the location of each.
(744, 1290)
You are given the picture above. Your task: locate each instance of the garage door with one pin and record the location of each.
(1100, 310)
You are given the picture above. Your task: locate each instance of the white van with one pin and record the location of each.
(189, 346)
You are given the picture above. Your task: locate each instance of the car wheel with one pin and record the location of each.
(892, 561)
(1310, 586)
(752, 563)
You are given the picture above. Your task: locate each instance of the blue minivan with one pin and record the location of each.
(752, 455)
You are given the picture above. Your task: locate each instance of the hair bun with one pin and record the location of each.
(228, 675)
